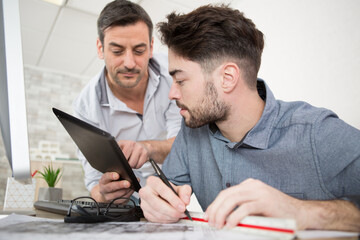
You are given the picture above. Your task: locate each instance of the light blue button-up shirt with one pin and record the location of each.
(304, 151)
(161, 119)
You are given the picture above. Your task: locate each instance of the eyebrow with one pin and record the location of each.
(174, 72)
(118, 45)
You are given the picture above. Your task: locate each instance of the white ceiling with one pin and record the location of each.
(63, 38)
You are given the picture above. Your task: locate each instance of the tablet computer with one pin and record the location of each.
(99, 147)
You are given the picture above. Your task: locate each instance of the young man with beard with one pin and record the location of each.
(241, 151)
(128, 98)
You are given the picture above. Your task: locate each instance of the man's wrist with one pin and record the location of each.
(330, 215)
(304, 217)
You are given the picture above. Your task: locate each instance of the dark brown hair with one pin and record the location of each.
(122, 13)
(211, 34)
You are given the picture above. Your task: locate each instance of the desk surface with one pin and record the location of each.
(40, 214)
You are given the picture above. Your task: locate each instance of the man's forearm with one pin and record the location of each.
(332, 215)
(159, 149)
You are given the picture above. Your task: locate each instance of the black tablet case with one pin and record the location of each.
(99, 147)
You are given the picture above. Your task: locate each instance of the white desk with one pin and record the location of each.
(151, 231)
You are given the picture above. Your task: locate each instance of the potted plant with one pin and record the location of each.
(51, 177)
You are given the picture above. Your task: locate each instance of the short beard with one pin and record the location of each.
(121, 84)
(209, 109)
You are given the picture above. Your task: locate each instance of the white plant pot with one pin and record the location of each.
(50, 193)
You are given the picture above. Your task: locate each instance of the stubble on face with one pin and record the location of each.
(125, 83)
(209, 108)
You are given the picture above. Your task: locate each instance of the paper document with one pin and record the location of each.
(317, 234)
(29, 228)
(279, 228)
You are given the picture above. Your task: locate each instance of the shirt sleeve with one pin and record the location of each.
(176, 167)
(337, 146)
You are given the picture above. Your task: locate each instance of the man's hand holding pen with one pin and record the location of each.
(160, 204)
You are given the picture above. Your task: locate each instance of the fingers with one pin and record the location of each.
(246, 209)
(138, 157)
(222, 206)
(108, 182)
(159, 203)
(136, 152)
(120, 193)
(122, 198)
(245, 198)
(160, 211)
(167, 194)
(184, 193)
(110, 188)
(109, 177)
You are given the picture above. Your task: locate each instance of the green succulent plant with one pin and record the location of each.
(51, 175)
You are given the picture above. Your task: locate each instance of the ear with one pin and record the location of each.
(151, 47)
(100, 50)
(230, 76)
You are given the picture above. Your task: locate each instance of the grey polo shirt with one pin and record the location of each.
(161, 119)
(304, 151)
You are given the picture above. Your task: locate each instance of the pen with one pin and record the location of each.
(164, 179)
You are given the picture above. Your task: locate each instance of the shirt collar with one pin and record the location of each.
(259, 135)
(154, 78)
(104, 100)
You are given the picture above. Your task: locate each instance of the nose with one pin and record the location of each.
(174, 93)
(129, 61)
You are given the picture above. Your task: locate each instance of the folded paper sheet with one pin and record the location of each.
(19, 195)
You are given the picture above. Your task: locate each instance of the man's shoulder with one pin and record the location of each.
(159, 64)
(299, 112)
(88, 97)
(160, 60)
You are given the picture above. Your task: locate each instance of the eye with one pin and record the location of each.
(139, 51)
(117, 51)
(180, 82)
